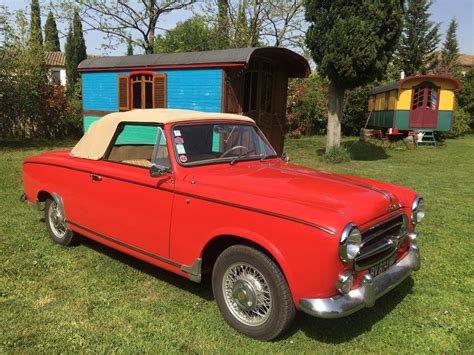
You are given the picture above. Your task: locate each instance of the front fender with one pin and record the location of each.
(260, 240)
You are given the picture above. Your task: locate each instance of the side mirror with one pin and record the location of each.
(285, 157)
(158, 170)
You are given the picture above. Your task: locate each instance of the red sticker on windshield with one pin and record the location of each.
(179, 140)
(183, 158)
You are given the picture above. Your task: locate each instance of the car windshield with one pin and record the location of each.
(209, 143)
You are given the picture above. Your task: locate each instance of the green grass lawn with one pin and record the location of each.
(91, 298)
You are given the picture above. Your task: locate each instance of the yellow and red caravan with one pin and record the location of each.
(423, 102)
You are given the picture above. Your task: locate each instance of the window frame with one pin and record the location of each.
(117, 133)
(193, 164)
(258, 68)
(129, 89)
(143, 82)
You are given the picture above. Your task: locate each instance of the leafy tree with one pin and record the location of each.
(251, 23)
(188, 36)
(129, 46)
(36, 36)
(419, 40)
(117, 20)
(31, 105)
(75, 53)
(466, 95)
(352, 44)
(450, 53)
(51, 36)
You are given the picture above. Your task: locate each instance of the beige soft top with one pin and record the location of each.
(95, 141)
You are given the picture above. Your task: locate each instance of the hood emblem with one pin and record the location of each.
(392, 207)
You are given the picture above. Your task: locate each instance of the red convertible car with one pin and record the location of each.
(198, 193)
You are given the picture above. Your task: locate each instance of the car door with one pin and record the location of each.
(129, 206)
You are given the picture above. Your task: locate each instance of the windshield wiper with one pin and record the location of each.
(240, 156)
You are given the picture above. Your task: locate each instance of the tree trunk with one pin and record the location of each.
(335, 105)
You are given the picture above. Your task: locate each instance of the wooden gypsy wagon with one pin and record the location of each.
(249, 81)
(416, 103)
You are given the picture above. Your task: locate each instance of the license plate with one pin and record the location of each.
(383, 266)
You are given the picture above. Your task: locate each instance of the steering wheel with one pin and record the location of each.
(232, 149)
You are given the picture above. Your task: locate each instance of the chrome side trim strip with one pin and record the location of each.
(369, 290)
(194, 271)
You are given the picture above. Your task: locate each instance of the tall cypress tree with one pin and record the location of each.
(450, 52)
(35, 54)
(75, 52)
(36, 36)
(81, 52)
(419, 41)
(241, 29)
(70, 62)
(51, 37)
(223, 24)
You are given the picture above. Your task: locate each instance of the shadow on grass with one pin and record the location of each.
(365, 151)
(335, 331)
(331, 331)
(203, 289)
(360, 150)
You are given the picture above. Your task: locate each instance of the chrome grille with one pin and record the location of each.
(380, 242)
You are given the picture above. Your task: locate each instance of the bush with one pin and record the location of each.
(466, 95)
(461, 121)
(337, 155)
(307, 106)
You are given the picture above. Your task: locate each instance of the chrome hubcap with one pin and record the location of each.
(57, 222)
(247, 294)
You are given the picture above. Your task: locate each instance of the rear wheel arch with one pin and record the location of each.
(42, 196)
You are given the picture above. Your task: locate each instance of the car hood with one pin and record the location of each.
(326, 199)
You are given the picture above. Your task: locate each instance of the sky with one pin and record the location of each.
(442, 12)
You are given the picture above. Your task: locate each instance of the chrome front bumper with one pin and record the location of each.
(369, 290)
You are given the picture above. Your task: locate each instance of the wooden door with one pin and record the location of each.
(424, 106)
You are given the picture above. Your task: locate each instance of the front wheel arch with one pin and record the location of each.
(219, 243)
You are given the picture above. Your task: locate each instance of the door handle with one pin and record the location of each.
(95, 177)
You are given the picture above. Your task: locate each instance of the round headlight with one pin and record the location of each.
(349, 244)
(417, 210)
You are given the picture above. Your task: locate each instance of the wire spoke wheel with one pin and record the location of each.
(57, 221)
(247, 294)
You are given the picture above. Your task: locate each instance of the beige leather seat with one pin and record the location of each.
(140, 162)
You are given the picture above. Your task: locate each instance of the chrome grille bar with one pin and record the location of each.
(380, 242)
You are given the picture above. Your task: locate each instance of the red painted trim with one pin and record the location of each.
(456, 82)
(141, 72)
(128, 246)
(154, 67)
